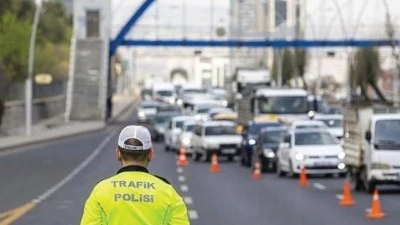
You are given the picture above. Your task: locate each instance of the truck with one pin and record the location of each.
(245, 78)
(372, 146)
(284, 103)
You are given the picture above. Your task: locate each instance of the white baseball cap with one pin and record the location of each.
(140, 133)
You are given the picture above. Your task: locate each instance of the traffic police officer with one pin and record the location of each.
(133, 195)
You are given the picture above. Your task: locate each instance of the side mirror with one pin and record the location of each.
(284, 145)
(368, 136)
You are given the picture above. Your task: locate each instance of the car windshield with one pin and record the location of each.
(387, 134)
(179, 124)
(314, 138)
(273, 137)
(203, 110)
(149, 106)
(162, 119)
(283, 105)
(189, 128)
(220, 130)
(255, 128)
(333, 123)
(164, 93)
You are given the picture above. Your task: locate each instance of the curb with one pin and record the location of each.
(72, 134)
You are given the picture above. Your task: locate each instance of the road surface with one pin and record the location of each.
(59, 175)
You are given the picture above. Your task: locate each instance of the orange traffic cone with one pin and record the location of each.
(347, 199)
(182, 160)
(303, 182)
(257, 171)
(376, 211)
(214, 168)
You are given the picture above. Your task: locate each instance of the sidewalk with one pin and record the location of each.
(56, 127)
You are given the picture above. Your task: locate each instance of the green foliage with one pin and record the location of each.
(364, 71)
(287, 66)
(14, 45)
(301, 58)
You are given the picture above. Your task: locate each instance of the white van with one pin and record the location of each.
(164, 92)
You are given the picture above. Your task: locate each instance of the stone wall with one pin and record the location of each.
(45, 108)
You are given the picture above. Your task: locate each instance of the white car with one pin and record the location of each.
(173, 131)
(146, 110)
(334, 123)
(317, 150)
(218, 137)
(186, 135)
(306, 124)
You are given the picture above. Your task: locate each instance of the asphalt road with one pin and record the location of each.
(227, 197)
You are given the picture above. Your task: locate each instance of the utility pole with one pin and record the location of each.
(29, 79)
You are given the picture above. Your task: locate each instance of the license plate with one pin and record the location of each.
(231, 151)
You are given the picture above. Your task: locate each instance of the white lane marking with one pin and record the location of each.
(319, 186)
(340, 197)
(184, 188)
(188, 200)
(181, 178)
(179, 169)
(76, 171)
(193, 215)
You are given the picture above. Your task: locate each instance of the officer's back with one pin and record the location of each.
(133, 195)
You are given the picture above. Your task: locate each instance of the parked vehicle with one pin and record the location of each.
(217, 137)
(173, 131)
(372, 147)
(315, 149)
(266, 147)
(250, 135)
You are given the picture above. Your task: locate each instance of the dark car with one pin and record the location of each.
(159, 123)
(267, 145)
(250, 134)
(169, 108)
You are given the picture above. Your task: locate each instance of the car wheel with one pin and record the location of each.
(279, 170)
(292, 173)
(167, 149)
(196, 156)
(343, 175)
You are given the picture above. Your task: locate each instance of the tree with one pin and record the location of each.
(364, 72)
(301, 59)
(286, 65)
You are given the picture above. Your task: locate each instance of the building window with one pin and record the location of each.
(92, 23)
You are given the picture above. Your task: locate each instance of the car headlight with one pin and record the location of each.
(252, 142)
(269, 153)
(299, 156)
(380, 166)
(225, 103)
(171, 101)
(186, 141)
(341, 155)
(141, 114)
(197, 117)
(179, 102)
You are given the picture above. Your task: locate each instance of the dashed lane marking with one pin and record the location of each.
(319, 186)
(179, 170)
(184, 188)
(181, 178)
(188, 200)
(11, 216)
(340, 197)
(193, 215)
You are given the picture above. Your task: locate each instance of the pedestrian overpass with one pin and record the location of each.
(91, 82)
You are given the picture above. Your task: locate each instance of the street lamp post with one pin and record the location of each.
(29, 80)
